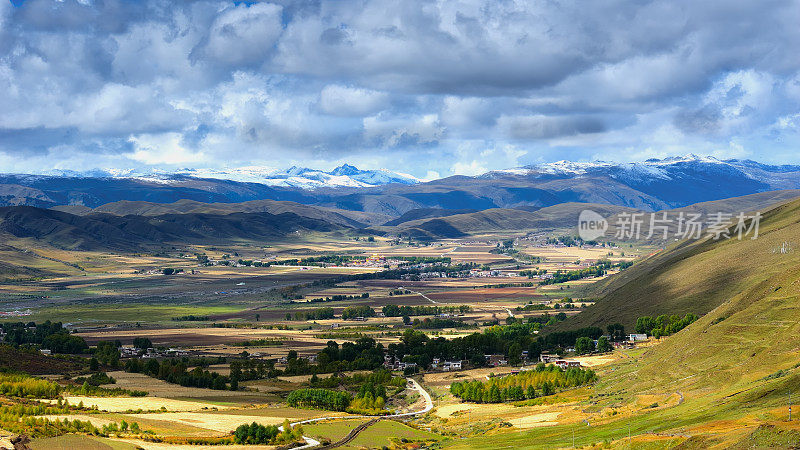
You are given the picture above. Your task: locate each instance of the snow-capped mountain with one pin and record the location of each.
(653, 167)
(653, 185)
(296, 177)
(648, 171)
(675, 181)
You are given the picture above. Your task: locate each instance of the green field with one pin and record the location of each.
(385, 432)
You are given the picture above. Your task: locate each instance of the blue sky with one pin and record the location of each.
(425, 87)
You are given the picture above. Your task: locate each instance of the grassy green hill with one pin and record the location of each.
(562, 216)
(355, 219)
(761, 201)
(133, 233)
(696, 276)
(724, 381)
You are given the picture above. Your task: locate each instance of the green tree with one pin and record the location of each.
(645, 325)
(584, 345)
(603, 345)
(143, 343)
(616, 331)
(515, 354)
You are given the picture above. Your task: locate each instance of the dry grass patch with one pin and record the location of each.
(122, 404)
(222, 423)
(536, 420)
(160, 388)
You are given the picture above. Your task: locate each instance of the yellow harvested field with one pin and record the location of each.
(160, 388)
(536, 420)
(593, 361)
(448, 410)
(122, 404)
(222, 423)
(161, 446)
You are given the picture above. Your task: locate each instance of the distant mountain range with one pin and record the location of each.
(648, 185)
(295, 177)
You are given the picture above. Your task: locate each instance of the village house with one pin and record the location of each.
(404, 365)
(548, 358)
(448, 366)
(496, 360)
(564, 364)
(637, 337)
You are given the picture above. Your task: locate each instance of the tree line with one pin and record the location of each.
(399, 311)
(351, 312)
(542, 381)
(663, 325)
(315, 314)
(50, 335)
(319, 398)
(256, 434)
(338, 298)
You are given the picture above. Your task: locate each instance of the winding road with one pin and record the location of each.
(422, 295)
(311, 442)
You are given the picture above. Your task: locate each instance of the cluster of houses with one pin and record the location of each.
(285, 359)
(558, 361)
(395, 364)
(446, 366)
(133, 352)
(472, 273)
(439, 364)
(373, 260)
(15, 313)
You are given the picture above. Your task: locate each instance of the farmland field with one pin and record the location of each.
(221, 313)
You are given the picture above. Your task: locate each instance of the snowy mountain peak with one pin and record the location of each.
(653, 170)
(300, 177)
(345, 169)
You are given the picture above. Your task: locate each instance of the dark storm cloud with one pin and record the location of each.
(544, 127)
(486, 84)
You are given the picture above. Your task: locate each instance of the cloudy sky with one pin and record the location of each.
(424, 87)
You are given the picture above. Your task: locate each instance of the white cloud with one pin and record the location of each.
(348, 101)
(403, 131)
(162, 149)
(434, 88)
(243, 34)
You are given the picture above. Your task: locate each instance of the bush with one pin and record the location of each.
(20, 385)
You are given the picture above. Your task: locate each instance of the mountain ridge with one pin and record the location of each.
(651, 185)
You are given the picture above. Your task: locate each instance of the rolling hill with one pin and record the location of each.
(562, 216)
(134, 233)
(760, 202)
(726, 380)
(354, 219)
(426, 213)
(700, 276)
